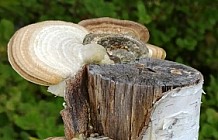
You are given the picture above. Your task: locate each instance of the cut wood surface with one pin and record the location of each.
(119, 99)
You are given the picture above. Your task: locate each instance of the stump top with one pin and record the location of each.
(149, 72)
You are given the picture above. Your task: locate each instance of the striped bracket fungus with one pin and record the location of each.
(48, 52)
(126, 30)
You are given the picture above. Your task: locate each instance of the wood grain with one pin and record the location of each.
(116, 100)
(122, 95)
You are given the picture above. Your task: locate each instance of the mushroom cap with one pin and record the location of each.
(48, 52)
(116, 26)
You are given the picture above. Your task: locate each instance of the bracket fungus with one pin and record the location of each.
(128, 28)
(48, 52)
(120, 48)
(111, 25)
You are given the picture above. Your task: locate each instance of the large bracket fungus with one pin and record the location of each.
(48, 52)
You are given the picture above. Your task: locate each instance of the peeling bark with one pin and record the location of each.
(76, 113)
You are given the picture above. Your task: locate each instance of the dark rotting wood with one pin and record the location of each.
(76, 113)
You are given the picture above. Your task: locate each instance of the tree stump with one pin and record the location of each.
(149, 99)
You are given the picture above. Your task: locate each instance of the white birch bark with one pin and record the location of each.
(176, 115)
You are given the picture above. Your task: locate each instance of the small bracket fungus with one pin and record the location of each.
(121, 48)
(123, 28)
(116, 26)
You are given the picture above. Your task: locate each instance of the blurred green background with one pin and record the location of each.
(187, 30)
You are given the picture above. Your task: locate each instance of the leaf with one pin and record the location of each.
(171, 32)
(7, 133)
(186, 43)
(211, 116)
(30, 121)
(3, 119)
(100, 8)
(207, 130)
(32, 138)
(7, 29)
(142, 13)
